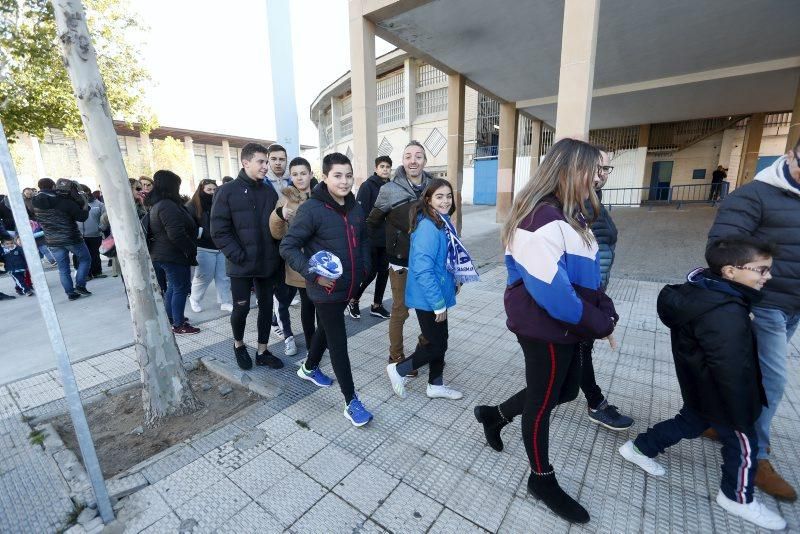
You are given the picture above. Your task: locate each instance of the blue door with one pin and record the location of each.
(485, 182)
(660, 179)
(764, 162)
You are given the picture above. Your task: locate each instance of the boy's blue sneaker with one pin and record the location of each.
(608, 416)
(356, 412)
(315, 375)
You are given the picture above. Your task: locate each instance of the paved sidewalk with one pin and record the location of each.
(293, 463)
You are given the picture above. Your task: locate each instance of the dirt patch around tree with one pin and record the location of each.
(117, 421)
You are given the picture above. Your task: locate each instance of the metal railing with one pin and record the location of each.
(666, 195)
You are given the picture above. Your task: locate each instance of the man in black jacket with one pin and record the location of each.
(768, 208)
(240, 228)
(367, 194)
(58, 210)
(714, 348)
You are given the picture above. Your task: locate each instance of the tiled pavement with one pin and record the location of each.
(293, 463)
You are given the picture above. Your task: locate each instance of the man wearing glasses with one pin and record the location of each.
(768, 208)
(604, 230)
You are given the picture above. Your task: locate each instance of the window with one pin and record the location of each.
(201, 167)
(390, 86)
(429, 75)
(433, 101)
(391, 111)
(347, 105)
(699, 174)
(346, 126)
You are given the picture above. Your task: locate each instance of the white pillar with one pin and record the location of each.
(362, 83)
(410, 95)
(336, 116)
(279, 29)
(188, 144)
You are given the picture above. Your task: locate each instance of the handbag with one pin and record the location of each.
(107, 247)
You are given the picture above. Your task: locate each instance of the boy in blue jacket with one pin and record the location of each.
(15, 264)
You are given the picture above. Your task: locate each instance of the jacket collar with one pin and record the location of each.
(706, 279)
(245, 181)
(322, 194)
(402, 180)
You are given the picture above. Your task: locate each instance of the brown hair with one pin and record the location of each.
(423, 205)
(195, 200)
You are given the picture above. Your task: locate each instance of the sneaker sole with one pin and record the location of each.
(722, 503)
(347, 415)
(394, 389)
(632, 459)
(302, 375)
(614, 428)
(379, 316)
(352, 316)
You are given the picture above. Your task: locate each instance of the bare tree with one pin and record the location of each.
(166, 388)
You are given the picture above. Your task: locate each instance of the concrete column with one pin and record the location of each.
(750, 149)
(211, 162)
(38, 161)
(455, 140)
(576, 75)
(410, 94)
(506, 158)
(336, 116)
(147, 148)
(362, 82)
(226, 159)
(794, 129)
(641, 159)
(188, 144)
(536, 145)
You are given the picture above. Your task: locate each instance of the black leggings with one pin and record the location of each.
(307, 312)
(552, 375)
(593, 393)
(432, 346)
(240, 294)
(331, 333)
(379, 273)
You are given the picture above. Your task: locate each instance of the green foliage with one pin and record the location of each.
(36, 437)
(35, 91)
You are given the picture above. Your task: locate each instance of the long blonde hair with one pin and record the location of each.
(567, 171)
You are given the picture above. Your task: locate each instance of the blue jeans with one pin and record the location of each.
(45, 253)
(211, 266)
(84, 263)
(774, 328)
(178, 285)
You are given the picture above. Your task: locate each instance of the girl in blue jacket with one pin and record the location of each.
(438, 264)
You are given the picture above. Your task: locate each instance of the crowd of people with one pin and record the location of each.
(274, 231)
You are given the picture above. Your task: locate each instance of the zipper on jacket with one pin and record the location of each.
(351, 243)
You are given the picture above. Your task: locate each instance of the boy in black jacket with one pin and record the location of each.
(331, 220)
(716, 362)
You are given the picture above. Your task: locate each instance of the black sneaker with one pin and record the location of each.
(73, 296)
(379, 311)
(98, 276)
(353, 309)
(243, 359)
(268, 359)
(608, 416)
(83, 291)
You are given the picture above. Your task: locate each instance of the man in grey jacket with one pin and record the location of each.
(92, 236)
(393, 206)
(768, 208)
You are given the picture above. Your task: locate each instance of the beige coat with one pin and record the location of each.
(292, 198)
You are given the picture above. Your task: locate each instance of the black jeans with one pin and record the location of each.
(592, 392)
(739, 449)
(284, 294)
(307, 316)
(432, 346)
(331, 333)
(240, 294)
(93, 244)
(552, 373)
(379, 273)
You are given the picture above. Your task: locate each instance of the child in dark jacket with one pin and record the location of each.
(16, 266)
(716, 362)
(332, 221)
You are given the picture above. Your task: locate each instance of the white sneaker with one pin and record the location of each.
(755, 512)
(443, 392)
(295, 301)
(398, 382)
(291, 346)
(277, 330)
(226, 307)
(195, 305)
(648, 464)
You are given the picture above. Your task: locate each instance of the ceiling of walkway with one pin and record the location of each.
(512, 49)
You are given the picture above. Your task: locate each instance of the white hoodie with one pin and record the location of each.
(773, 175)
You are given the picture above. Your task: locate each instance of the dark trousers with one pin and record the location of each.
(432, 346)
(284, 294)
(379, 273)
(307, 316)
(240, 295)
(739, 449)
(93, 244)
(179, 282)
(552, 374)
(592, 392)
(22, 282)
(331, 333)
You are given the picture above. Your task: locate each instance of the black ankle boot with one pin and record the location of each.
(545, 488)
(493, 422)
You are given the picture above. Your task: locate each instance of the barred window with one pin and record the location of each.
(199, 150)
(429, 75)
(325, 129)
(433, 101)
(347, 105)
(346, 126)
(123, 147)
(201, 167)
(391, 111)
(390, 86)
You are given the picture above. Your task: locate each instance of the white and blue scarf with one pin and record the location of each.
(459, 261)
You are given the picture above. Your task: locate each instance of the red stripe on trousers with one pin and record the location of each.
(744, 445)
(547, 394)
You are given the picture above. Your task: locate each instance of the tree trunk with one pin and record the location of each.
(166, 388)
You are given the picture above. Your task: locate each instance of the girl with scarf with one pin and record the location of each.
(438, 265)
(210, 261)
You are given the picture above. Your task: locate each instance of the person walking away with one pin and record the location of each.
(239, 227)
(210, 261)
(279, 221)
(438, 265)
(605, 232)
(59, 207)
(553, 302)
(714, 349)
(92, 235)
(14, 262)
(367, 194)
(174, 246)
(768, 209)
(392, 206)
(331, 221)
